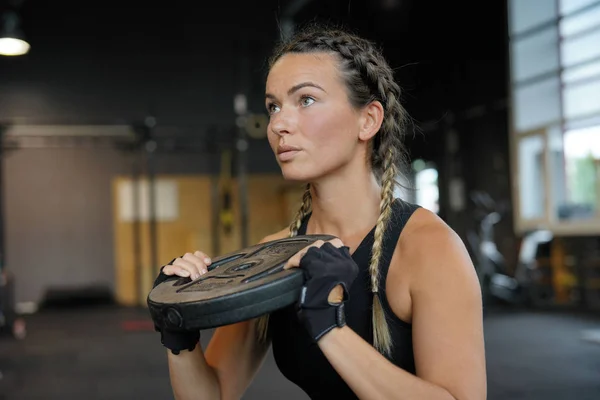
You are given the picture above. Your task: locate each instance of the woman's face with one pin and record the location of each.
(313, 128)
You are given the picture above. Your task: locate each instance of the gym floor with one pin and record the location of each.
(109, 353)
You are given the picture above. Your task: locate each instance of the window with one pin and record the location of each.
(570, 6)
(531, 176)
(580, 49)
(580, 22)
(582, 99)
(422, 188)
(582, 165)
(427, 189)
(557, 175)
(528, 14)
(535, 55)
(579, 73)
(556, 113)
(537, 104)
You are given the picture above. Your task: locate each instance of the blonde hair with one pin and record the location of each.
(368, 78)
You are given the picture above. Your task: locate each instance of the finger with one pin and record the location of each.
(194, 268)
(197, 263)
(175, 270)
(336, 242)
(204, 257)
(294, 261)
(336, 295)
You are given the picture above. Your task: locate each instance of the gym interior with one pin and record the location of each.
(134, 133)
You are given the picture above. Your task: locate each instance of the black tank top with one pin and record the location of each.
(302, 362)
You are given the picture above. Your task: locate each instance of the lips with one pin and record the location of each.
(285, 148)
(286, 153)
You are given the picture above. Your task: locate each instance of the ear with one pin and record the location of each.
(370, 120)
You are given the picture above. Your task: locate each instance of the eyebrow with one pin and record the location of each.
(295, 88)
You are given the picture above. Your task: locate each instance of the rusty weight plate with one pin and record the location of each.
(238, 286)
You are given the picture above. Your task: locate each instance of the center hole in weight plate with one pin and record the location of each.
(225, 261)
(241, 268)
(244, 266)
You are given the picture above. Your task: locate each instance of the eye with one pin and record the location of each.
(272, 108)
(306, 101)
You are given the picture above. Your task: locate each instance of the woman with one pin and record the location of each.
(404, 317)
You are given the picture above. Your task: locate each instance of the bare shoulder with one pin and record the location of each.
(445, 305)
(433, 252)
(276, 236)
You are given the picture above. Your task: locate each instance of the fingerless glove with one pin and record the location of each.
(173, 339)
(324, 269)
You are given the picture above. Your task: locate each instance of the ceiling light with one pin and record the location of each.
(12, 40)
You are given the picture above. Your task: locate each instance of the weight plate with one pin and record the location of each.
(238, 286)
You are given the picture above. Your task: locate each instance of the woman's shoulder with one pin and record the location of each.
(428, 245)
(282, 234)
(420, 227)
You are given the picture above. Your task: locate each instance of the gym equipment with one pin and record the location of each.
(496, 282)
(238, 286)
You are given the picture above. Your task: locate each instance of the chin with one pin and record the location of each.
(296, 172)
(293, 175)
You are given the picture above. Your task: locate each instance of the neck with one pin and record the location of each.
(345, 204)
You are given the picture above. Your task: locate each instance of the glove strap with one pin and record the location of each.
(322, 320)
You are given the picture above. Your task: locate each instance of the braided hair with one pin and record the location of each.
(367, 77)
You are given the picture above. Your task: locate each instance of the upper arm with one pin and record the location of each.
(447, 314)
(234, 352)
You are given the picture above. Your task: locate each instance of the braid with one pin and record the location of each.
(368, 78)
(386, 160)
(380, 83)
(381, 333)
(302, 212)
(262, 324)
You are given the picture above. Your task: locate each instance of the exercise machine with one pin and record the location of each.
(499, 283)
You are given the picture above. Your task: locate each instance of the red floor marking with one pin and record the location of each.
(139, 325)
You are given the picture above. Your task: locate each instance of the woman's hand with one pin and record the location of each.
(330, 271)
(192, 266)
(188, 265)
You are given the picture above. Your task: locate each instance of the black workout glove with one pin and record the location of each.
(173, 339)
(324, 269)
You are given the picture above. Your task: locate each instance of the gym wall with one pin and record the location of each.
(184, 224)
(59, 212)
(58, 218)
(58, 202)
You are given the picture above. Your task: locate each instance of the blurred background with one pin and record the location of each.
(133, 133)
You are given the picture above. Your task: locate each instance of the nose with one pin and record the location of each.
(281, 123)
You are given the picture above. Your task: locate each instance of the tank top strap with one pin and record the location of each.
(401, 213)
(304, 224)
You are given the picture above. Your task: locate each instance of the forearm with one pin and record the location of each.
(191, 376)
(369, 374)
